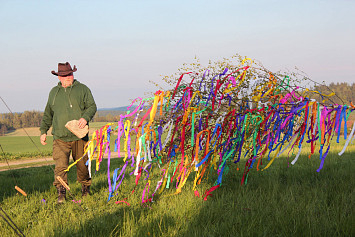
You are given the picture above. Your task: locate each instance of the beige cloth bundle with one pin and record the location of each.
(73, 126)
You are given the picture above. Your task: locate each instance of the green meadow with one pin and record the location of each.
(18, 145)
(283, 200)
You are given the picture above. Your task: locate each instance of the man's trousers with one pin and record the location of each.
(61, 154)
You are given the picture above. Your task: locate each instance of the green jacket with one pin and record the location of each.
(65, 104)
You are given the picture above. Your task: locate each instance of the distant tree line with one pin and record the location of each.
(3, 129)
(9, 121)
(344, 92)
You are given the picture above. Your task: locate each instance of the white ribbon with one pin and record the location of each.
(138, 156)
(169, 133)
(347, 141)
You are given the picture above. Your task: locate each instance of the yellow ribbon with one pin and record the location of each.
(127, 127)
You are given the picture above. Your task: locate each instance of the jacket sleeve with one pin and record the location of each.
(47, 119)
(90, 106)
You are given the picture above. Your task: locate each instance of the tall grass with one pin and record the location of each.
(280, 201)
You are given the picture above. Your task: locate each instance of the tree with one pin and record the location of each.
(17, 123)
(3, 130)
(344, 92)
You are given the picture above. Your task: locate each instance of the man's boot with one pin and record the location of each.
(61, 194)
(85, 190)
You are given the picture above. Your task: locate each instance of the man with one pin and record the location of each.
(69, 100)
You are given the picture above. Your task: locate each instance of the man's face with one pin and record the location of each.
(66, 80)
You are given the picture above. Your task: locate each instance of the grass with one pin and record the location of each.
(16, 147)
(281, 201)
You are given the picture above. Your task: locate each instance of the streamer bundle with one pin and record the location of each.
(207, 123)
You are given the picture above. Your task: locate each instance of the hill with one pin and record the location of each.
(113, 111)
(122, 108)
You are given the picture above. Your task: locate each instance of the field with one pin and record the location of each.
(280, 201)
(283, 200)
(17, 144)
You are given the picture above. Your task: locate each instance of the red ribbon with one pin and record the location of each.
(209, 192)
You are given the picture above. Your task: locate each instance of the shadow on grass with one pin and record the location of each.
(125, 221)
(283, 201)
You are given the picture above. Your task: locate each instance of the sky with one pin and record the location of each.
(119, 46)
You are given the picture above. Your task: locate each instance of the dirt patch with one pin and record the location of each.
(25, 163)
(20, 162)
(33, 131)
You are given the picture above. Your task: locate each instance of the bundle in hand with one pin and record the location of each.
(73, 126)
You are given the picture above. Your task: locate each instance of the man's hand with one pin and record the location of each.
(82, 123)
(43, 139)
